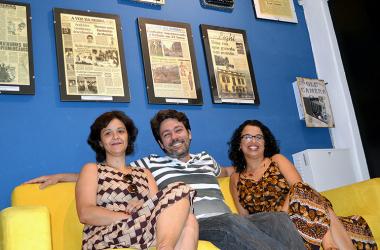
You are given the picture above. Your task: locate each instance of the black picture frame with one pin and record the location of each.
(226, 5)
(90, 56)
(171, 72)
(232, 79)
(154, 2)
(16, 74)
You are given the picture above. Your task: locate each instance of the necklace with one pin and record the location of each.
(256, 173)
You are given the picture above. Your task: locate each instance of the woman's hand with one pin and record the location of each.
(133, 206)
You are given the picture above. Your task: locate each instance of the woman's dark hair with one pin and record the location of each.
(162, 115)
(102, 122)
(236, 155)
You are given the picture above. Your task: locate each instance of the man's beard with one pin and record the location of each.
(182, 153)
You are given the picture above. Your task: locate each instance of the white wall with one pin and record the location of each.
(330, 68)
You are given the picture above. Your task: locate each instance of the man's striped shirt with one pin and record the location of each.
(199, 172)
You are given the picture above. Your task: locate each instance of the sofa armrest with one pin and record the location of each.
(358, 198)
(362, 198)
(25, 227)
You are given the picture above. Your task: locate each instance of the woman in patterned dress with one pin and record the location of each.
(121, 206)
(267, 181)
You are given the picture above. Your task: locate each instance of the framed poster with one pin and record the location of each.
(90, 56)
(171, 72)
(314, 103)
(229, 65)
(279, 10)
(16, 56)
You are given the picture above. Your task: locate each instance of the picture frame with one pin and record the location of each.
(313, 102)
(227, 5)
(278, 10)
(16, 53)
(155, 2)
(232, 79)
(90, 55)
(171, 72)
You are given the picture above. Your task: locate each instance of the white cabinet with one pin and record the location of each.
(325, 169)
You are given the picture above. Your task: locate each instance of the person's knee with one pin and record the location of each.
(191, 225)
(164, 245)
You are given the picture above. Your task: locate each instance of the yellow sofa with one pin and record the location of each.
(47, 219)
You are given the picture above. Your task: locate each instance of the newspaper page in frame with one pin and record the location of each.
(315, 102)
(14, 45)
(92, 56)
(170, 59)
(280, 10)
(231, 67)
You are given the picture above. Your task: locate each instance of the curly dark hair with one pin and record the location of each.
(236, 155)
(162, 115)
(101, 122)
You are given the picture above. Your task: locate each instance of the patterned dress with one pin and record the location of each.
(307, 208)
(114, 193)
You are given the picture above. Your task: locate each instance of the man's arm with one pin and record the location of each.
(226, 171)
(48, 180)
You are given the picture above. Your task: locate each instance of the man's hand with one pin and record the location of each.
(48, 180)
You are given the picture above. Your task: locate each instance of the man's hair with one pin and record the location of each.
(102, 122)
(162, 115)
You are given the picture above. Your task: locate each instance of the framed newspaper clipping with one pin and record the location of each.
(16, 57)
(90, 56)
(278, 10)
(171, 72)
(229, 65)
(313, 102)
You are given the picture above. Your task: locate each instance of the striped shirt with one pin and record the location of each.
(199, 172)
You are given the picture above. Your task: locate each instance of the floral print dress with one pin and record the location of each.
(308, 209)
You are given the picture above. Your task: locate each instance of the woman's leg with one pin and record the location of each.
(189, 236)
(170, 224)
(339, 235)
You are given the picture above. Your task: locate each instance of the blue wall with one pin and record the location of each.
(42, 135)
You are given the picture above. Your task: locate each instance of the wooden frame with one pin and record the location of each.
(230, 70)
(90, 56)
(171, 72)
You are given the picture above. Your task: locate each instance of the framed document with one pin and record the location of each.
(16, 57)
(279, 10)
(313, 102)
(169, 61)
(158, 2)
(90, 56)
(229, 65)
(218, 4)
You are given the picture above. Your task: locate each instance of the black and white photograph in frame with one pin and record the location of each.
(16, 54)
(227, 5)
(229, 65)
(171, 72)
(278, 10)
(90, 56)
